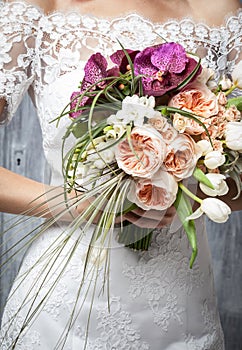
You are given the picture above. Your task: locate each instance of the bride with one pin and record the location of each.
(156, 301)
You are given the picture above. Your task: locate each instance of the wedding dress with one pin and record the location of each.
(156, 301)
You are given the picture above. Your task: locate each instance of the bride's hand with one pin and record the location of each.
(151, 218)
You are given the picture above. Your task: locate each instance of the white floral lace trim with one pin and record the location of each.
(58, 43)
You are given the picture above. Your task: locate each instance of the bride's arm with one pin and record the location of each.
(19, 194)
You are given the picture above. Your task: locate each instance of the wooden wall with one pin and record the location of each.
(21, 152)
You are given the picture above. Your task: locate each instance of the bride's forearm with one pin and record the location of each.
(19, 195)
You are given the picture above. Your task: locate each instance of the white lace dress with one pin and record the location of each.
(156, 301)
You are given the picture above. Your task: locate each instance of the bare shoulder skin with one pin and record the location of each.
(211, 12)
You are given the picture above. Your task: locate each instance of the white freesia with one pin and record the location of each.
(214, 208)
(214, 159)
(134, 109)
(104, 154)
(84, 174)
(115, 131)
(219, 184)
(205, 146)
(233, 136)
(91, 146)
(111, 134)
(237, 75)
(119, 129)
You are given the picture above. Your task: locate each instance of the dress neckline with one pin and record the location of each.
(110, 20)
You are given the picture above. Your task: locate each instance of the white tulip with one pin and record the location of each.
(214, 159)
(220, 186)
(214, 208)
(233, 136)
(237, 75)
(205, 146)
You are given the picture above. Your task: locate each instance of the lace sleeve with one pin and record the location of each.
(18, 26)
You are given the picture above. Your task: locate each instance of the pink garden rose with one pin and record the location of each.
(147, 155)
(187, 125)
(182, 157)
(158, 193)
(167, 131)
(198, 100)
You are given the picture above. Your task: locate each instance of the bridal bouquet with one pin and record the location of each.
(144, 126)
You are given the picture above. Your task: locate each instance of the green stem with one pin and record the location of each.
(189, 193)
(231, 89)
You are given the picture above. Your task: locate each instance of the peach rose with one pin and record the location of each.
(232, 114)
(182, 157)
(218, 145)
(198, 99)
(213, 131)
(167, 131)
(222, 99)
(158, 122)
(147, 155)
(158, 193)
(187, 125)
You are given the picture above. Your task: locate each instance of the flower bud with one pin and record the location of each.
(225, 83)
(214, 159)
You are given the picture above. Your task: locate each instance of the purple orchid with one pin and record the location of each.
(163, 67)
(95, 72)
(120, 59)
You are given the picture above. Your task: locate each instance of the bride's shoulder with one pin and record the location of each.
(215, 12)
(46, 6)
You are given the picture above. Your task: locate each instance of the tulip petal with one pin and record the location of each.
(195, 215)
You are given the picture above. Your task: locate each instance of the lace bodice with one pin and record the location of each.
(46, 54)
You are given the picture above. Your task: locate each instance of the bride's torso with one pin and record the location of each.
(65, 39)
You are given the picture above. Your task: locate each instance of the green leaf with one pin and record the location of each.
(184, 209)
(237, 179)
(79, 129)
(236, 101)
(201, 177)
(190, 76)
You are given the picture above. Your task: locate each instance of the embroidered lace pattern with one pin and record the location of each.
(60, 43)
